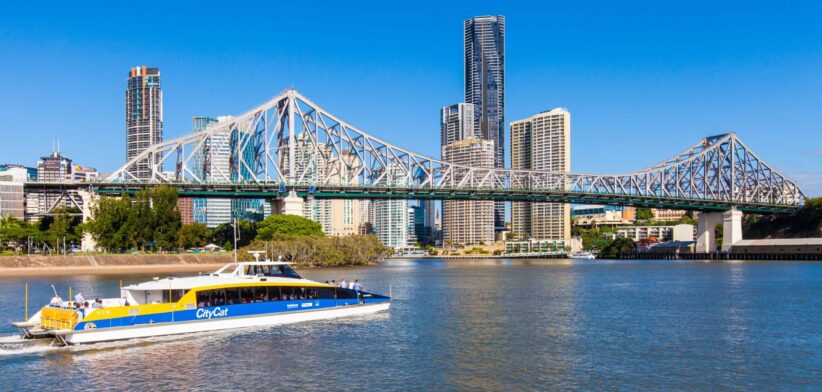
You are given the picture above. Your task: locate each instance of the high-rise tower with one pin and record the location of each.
(485, 86)
(468, 222)
(144, 116)
(542, 142)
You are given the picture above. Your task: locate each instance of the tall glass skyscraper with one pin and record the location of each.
(485, 86)
(144, 116)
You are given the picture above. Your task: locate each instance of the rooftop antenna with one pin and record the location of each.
(256, 254)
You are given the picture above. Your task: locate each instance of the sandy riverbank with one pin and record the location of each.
(110, 264)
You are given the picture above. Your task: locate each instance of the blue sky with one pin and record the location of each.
(643, 80)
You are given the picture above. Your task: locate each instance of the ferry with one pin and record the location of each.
(582, 255)
(238, 295)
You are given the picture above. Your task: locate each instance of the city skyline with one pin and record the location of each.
(730, 84)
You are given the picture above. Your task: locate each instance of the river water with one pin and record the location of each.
(479, 325)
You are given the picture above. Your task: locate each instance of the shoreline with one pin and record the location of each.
(107, 270)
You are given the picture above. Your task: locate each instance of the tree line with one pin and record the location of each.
(52, 234)
(151, 222)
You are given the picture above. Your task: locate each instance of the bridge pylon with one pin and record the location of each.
(289, 205)
(731, 221)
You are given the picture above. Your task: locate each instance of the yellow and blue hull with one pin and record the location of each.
(150, 320)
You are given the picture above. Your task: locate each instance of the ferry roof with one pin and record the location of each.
(192, 282)
(230, 274)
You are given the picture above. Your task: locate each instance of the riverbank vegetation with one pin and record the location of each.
(807, 222)
(617, 248)
(151, 222)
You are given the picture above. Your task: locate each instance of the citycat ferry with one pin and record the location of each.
(239, 295)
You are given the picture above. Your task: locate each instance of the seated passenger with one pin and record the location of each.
(56, 301)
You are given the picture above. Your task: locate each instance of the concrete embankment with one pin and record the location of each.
(110, 264)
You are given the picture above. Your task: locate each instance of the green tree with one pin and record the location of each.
(14, 232)
(323, 251)
(224, 234)
(287, 225)
(165, 217)
(644, 214)
(59, 230)
(141, 219)
(617, 248)
(194, 235)
(114, 225)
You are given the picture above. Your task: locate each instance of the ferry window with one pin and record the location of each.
(246, 295)
(232, 296)
(274, 271)
(175, 295)
(208, 298)
(217, 297)
(260, 294)
(288, 272)
(274, 293)
(326, 293)
(346, 293)
(286, 293)
(203, 299)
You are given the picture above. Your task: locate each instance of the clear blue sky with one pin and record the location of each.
(643, 80)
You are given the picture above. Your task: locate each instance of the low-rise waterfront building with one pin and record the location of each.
(597, 215)
(538, 246)
(778, 246)
(665, 215)
(682, 232)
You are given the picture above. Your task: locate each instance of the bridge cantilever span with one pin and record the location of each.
(291, 143)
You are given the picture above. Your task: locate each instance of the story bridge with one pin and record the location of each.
(289, 148)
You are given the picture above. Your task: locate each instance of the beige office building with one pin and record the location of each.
(664, 215)
(468, 222)
(346, 217)
(542, 142)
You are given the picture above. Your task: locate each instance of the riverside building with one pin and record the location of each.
(144, 116)
(468, 222)
(391, 216)
(542, 142)
(485, 86)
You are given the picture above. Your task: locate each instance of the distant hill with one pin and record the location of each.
(807, 222)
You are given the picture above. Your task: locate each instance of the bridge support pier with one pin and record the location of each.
(88, 244)
(290, 205)
(705, 231)
(731, 230)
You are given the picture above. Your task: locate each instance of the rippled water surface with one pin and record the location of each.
(492, 325)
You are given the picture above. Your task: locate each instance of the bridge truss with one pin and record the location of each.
(291, 143)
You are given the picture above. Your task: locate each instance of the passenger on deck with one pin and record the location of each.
(79, 297)
(351, 285)
(343, 284)
(56, 301)
(357, 286)
(98, 303)
(334, 283)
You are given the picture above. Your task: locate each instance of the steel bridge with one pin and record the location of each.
(289, 148)
(290, 143)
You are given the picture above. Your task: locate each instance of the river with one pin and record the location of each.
(479, 325)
